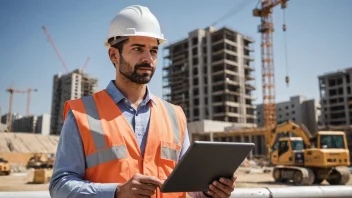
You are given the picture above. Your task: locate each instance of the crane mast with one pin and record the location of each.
(12, 90)
(266, 29)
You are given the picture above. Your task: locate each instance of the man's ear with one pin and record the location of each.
(114, 55)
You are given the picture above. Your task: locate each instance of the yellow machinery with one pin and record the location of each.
(42, 175)
(4, 167)
(43, 167)
(40, 160)
(305, 159)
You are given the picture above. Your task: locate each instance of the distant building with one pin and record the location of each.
(43, 124)
(209, 74)
(25, 124)
(336, 97)
(14, 117)
(32, 124)
(297, 109)
(66, 87)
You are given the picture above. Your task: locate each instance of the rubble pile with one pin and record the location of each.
(255, 166)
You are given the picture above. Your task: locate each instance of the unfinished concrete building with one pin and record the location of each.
(25, 124)
(209, 75)
(336, 97)
(70, 86)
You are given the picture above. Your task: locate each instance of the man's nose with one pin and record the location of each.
(147, 57)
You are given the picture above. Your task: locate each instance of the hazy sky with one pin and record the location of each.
(319, 40)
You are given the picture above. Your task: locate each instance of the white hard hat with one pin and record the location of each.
(135, 20)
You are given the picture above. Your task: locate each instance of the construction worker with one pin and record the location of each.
(123, 141)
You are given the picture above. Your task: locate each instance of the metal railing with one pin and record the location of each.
(284, 192)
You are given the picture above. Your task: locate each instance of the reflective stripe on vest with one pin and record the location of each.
(117, 152)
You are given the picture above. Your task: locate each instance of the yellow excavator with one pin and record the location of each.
(4, 167)
(306, 159)
(41, 160)
(43, 167)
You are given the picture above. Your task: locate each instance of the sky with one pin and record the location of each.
(319, 40)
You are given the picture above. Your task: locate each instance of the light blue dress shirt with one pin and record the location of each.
(69, 169)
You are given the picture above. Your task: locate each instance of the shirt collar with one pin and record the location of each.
(117, 96)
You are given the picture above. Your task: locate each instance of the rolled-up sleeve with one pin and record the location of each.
(69, 168)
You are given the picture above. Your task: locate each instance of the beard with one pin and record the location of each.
(131, 72)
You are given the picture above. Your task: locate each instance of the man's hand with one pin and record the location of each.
(222, 188)
(138, 186)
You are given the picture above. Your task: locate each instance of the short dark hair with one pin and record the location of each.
(118, 46)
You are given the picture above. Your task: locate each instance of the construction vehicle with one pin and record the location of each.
(40, 160)
(4, 167)
(306, 159)
(43, 167)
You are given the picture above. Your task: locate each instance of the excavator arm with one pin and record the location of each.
(286, 128)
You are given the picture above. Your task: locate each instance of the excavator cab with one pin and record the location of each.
(328, 149)
(289, 151)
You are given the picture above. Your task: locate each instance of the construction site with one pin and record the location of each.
(210, 74)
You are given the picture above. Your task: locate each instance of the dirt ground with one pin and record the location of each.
(21, 181)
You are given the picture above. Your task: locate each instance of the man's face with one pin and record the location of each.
(138, 59)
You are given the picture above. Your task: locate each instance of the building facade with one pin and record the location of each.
(209, 75)
(43, 124)
(25, 124)
(298, 109)
(336, 97)
(32, 124)
(73, 85)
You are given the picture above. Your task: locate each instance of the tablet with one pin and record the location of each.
(205, 162)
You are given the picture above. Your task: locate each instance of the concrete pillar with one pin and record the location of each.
(255, 138)
(242, 138)
(211, 137)
(262, 139)
(190, 79)
(345, 97)
(251, 152)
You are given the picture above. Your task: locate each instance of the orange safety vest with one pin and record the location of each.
(111, 151)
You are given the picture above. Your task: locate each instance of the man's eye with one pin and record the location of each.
(138, 49)
(154, 51)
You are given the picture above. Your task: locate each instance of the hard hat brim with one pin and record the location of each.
(161, 40)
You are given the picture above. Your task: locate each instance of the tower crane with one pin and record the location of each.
(12, 90)
(51, 40)
(55, 48)
(266, 29)
(29, 99)
(85, 64)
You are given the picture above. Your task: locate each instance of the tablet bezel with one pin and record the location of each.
(173, 186)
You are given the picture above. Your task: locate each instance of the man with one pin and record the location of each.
(123, 142)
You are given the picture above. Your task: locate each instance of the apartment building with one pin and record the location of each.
(298, 109)
(25, 124)
(32, 124)
(336, 97)
(43, 124)
(209, 74)
(73, 85)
